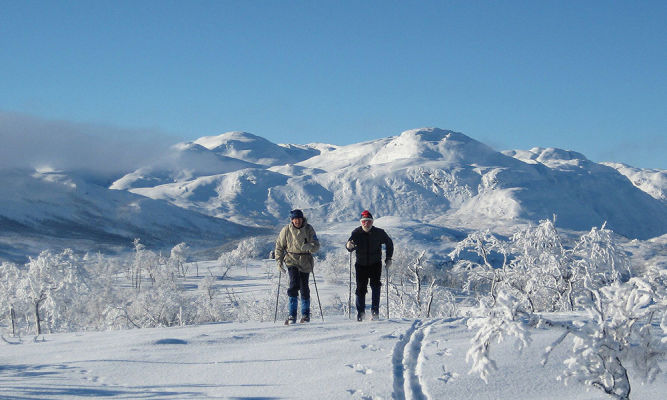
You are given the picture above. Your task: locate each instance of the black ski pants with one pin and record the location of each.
(298, 281)
(366, 273)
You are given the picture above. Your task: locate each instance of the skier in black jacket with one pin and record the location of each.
(367, 240)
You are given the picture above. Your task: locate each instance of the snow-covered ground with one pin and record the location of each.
(332, 359)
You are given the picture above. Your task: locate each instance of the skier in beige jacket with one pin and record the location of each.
(294, 247)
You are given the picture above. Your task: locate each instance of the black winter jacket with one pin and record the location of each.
(369, 245)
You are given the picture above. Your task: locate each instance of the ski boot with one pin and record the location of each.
(305, 310)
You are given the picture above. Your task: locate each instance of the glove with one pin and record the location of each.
(387, 263)
(280, 267)
(309, 247)
(350, 245)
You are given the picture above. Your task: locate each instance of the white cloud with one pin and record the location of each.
(34, 142)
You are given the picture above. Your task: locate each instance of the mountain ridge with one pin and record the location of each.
(230, 185)
(425, 173)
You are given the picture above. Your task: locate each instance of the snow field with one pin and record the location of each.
(338, 359)
(335, 359)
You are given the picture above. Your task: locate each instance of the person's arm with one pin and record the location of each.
(351, 245)
(281, 244)
(389, 247)
(314, 241)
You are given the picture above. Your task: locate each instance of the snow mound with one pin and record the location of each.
(447, 147)
(651, 181)
(248, 147)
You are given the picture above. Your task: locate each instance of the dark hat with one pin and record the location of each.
(295, 214)
(366, 216)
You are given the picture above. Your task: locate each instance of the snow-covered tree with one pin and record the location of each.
(600, 258)
(618, 334)
(177, 258)
(11, 277)
(494, 321)
(335, 266)
(415, 287)
(56, 286)
(482, 261)
(620, 330)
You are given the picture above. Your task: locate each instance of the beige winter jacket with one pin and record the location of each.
(294, 246)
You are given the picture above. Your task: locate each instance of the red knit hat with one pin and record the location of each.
(366, 216)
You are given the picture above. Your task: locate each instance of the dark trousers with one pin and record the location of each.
(298, 282)
(366, 273)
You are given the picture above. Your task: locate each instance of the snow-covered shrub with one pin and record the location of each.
(105, 291)
(538, 273)
(600, 258)
(158, 305)
(207, 305)
(57, 286)
(415, 289)
(618, 333)
(177, 258)
(12, 304)
(536, 268)
(246, 250)
(145, 261)
(334, 266)
(494, 320)
(481, 261)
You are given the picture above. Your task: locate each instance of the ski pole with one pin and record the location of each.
(349, 295)
(387, 288)
(318, 297)
(275, 316)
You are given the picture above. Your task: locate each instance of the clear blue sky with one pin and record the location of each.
(589, 76)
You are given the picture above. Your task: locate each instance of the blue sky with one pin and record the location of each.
(588, 76)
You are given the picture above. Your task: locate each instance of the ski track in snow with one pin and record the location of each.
(407, 360)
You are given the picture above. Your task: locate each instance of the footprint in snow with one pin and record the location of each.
(444, 351)
(447, 376)
(371, 347)
(88, 376)
(360, 369)
(170, 341)
(394, 335)
(359, 394)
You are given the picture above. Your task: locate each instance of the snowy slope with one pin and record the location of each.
(651, 181)
(423, 174)
(334, 359)
(185, 161)
(42, 209)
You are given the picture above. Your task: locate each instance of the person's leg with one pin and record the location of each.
(293, 292)
(305, 296)
(362, 288)
(375, 275)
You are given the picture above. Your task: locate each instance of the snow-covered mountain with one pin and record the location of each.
(651, 181)
(45, 208)
(184, 161)
(255, 149)
(201, 192)
(429, 174)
